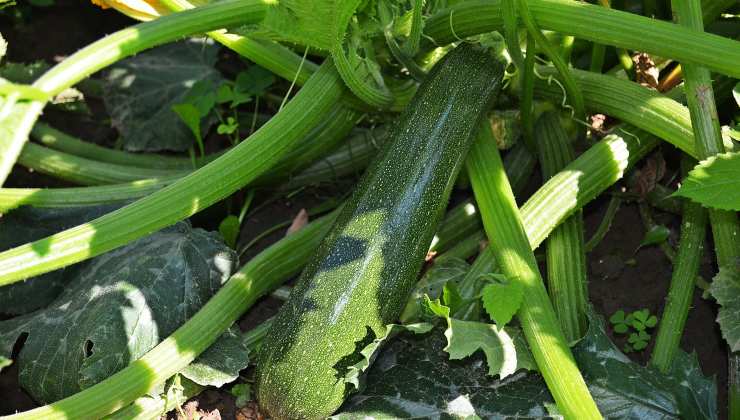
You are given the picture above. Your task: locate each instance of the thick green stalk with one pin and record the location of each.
(628, 101)
(268, 54)
(351, 158)
(84, 171)
(593, 23)
(575, 97)
(220, 178)
(147, 408)
(566, 256)
(15, 129)
(263, 273)
(504, 228)
(63, 142)
(463, 220)
(526, 96)
(685, 270)
(704, 119)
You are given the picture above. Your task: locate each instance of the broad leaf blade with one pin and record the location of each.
(725, 288)
(115, 308)
(221, 362)
(28, 224)
(715, 182)
(412, 378)
(140, 92)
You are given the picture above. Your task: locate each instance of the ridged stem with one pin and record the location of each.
(565, 252)
(504, 228)
(705, 122)
(220, 178)
(110, 49)
(678, 301)
(596, 24)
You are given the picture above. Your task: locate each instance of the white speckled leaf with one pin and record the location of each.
(221, 363)
(726, 290)
(412, 378)
(27, 224)
(140, 92)
(115, 308)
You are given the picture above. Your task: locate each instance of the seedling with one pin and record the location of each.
(635, 325)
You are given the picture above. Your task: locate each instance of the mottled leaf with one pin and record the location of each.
(140, 92)
(725, 288)
(115, 308)
(715, 182)
(221, 362)
(450, 270)
(28, 224)
(354, 375)
(412, 378)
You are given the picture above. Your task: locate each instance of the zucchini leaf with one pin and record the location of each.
(221, 363)
(725, 288)
(139, 93)
(715, 182)
(413, 378)
(28, 224)
(115, 308)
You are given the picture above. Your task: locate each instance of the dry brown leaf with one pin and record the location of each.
(298, 222)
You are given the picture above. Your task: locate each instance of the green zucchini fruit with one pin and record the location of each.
(365, 268)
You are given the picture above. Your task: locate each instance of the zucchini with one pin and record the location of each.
(366, 267)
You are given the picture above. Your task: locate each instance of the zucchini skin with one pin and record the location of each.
(365, 268)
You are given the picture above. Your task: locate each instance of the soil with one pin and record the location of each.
(620, 278)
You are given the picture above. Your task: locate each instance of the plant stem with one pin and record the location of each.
(349, 159)
(259, 276)
(566, 257)
(241, 165)
(606, 223)
(685, 270)
(596, 24)
(58, 140)
(575, 97)
(705, 122)
(526, 96)
(510, 246)
(112, 48)
(85, 171)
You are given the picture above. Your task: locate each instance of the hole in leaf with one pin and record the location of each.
(19, 342)
(89, 348)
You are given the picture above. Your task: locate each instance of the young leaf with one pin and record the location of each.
(656, 235)
(115, 308)
(502, 300)
(242, 393)
(503, 355)
(621, 328)
(725, 288)
(190, 115)
(139, 93)
(229, 229)
(4, 362)
(617, 317)
(451, 296)
(715, 182)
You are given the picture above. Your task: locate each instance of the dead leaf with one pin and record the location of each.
(649, 175)
(250, 412)
(646, 73)
(300, 220)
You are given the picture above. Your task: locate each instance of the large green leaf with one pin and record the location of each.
(413, 378)
(726, 290)
(140, 92)
(115, 308)
(28, 224)
(715, 182)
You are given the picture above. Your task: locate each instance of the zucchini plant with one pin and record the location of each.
(418, 292)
